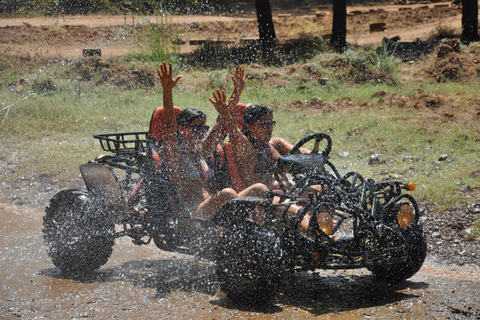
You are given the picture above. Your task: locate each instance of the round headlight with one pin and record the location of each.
(325, 222)
(405, 215)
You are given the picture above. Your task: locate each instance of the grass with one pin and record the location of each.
(51, 120)
(156, 42)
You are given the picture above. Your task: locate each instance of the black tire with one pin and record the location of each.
(416, 252)
(249, 264)
(79, 238)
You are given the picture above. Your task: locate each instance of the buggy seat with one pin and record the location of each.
(155, 132)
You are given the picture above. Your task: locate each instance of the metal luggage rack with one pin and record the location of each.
(123, 142)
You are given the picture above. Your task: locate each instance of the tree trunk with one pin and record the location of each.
(469, 20)
(339, 27)
(266, 30)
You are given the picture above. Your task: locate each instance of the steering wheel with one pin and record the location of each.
(357, 184)
(318, 138)
(354, 180)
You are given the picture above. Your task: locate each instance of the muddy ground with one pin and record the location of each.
(146, 283)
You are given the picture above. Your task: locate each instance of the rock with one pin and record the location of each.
(451, 72)
(443, 51)
(373, 160)
(465, 232)
(322, 81)
(443, 157)
(454, 43)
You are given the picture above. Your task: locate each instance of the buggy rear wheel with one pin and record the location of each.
(249, 264)
(78, 237)
(416, 251)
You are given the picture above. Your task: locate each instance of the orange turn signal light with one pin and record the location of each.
(411, 186)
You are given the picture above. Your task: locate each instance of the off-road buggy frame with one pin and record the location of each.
(355, 222)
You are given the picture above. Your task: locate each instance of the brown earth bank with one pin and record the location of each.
(67, 36)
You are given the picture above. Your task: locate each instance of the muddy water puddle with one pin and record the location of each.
(146, 283)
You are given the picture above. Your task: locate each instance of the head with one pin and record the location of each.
(258, 123)
(191, 125)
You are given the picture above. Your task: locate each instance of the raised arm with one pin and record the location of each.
(244, 151)
(170, 130)
(238, 84)
(167, 81)
(222, 124)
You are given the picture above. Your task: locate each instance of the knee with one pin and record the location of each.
(260, 187)
(255, 190)
(228, 194)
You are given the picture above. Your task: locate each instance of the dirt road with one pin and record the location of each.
(145, 283)
(119, 43)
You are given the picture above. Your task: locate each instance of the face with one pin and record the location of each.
(194, 132)
(262, 130)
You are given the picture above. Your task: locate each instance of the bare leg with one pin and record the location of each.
(210, 206)
(255, 190)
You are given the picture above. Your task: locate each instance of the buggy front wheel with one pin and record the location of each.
(249, 264)
(79, 237)
(415, 251)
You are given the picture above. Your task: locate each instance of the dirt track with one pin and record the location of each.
(116, 45)
(145, 283)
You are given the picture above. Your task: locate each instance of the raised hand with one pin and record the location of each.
(220, 102)
(239, 80)
(166, 78)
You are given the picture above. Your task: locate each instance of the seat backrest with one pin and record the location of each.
(157, 123)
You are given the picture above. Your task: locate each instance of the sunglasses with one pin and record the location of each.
(268, 123)
(200, 128)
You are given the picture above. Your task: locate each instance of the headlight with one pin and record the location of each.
(325, 222)
(405, 215)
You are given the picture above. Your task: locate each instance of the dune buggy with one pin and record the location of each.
(355, 222)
